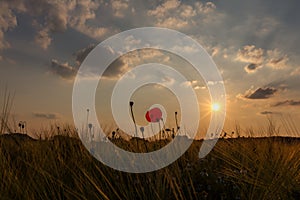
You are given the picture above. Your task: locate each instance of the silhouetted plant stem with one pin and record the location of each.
(87, 121)
(158, 120)
(142, 130)
(133, 119)
(6, 108)
(176, 120)
(164, 127)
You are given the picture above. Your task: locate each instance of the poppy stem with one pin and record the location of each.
(133, 119)
(176, 121)
(164, 127)
(142, 130)
(87, 122)
(159, 131)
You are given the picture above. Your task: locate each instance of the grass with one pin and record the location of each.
(61, 168)
(5, 111)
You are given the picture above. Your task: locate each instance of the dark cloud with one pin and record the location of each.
(116, 69)
(268, 113)
(277, 59)
(82, 53)
(261, 93)
(68, 72)
(280, 84)
(287, 103)
(64, 70)
(55, 14)
(251, 68)
(46, 115)
(50, 17)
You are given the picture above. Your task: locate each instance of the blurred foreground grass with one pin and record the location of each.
(59, 167)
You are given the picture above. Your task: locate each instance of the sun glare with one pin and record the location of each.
(215, 107)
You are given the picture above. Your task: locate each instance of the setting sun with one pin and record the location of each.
(215, 107)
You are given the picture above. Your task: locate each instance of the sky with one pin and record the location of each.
(255, 45)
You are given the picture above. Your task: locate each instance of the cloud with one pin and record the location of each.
(169, 81)
(64, 70)
(119, 7)
(172, 22)
(93, 32)
(43, 39)
(68, 72)
(205, 8)
(81, 54)
(279, 84)
(8, 21)
(214, 82)
(260, 93)
(162, 9)
(81, 14)
(51, 17)
(250, 54)
(52, 14)
(142, 56)
(46, 115)
(258, 57)
(188, 11)
(287, 103)
(215, 51)
(265, 25)
(186, 84)
(178, 14)
(295, 72)
(130, 42)
(186, 48)
(269, 113)
(276, 59)
(199, 87)
(251, 68)
(115, 70)
(194, 84)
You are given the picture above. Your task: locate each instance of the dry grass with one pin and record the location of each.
(61, 168)
(7, 103)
